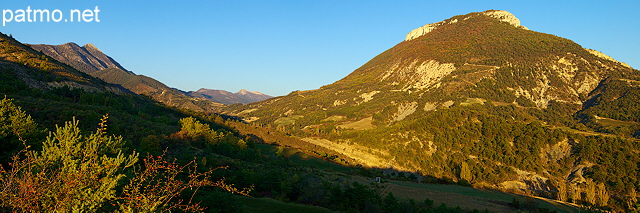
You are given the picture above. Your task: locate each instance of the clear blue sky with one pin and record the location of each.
(276, 47)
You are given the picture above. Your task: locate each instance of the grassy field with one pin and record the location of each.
(470, 101)
(614, 123)
(267, 205)
(287, 120)
(470, 198)
(363, 124)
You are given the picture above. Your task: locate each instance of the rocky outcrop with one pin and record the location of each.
(501, 15)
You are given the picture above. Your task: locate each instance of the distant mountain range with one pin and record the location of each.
(221, 96)
(91, 60)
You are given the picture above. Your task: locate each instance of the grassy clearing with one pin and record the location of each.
(363, 124)
(470, 198)
(614, 123)
(267, 205)
(287, 120)
(470, 101)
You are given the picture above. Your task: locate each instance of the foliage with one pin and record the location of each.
(16, 127)
(157, 187)
(78, 173)
(72, 173)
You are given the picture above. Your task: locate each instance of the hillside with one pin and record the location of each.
(478, 98)
(221, 96)
(91, 60)
(155, 89)
(42, 72)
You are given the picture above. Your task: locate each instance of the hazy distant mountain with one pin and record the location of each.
(221, 96)
(480, 98)
(91, 60)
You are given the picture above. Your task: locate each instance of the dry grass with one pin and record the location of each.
(470, 101)
(363, 124)
(614, 123)
(287, 120)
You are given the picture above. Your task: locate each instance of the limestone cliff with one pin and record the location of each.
(501, 15)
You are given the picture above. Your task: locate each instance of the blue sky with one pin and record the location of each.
(276, 47)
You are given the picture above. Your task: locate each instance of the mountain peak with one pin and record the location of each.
(87, 58)
(244, 92)
(221, 96)
(91, 46)
(501, 15)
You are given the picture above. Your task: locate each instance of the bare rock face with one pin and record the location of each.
(426, 29)
(501, 15)
(87, 58)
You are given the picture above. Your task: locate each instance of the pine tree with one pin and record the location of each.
(591, 192)
(575, 193)
(465, 172)
(603, 195)
(633, 198)
(16, 127)
(562, 191)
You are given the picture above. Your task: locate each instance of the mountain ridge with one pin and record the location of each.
(222, 96)
(39, 71)
(89, 59)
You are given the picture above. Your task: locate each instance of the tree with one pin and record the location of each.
(591, 192)
(633, 198)
(194, 129)
(14, 121)
(562, 191)
(603, 195)
(465, 172)
(15, 128)
(575, 193)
